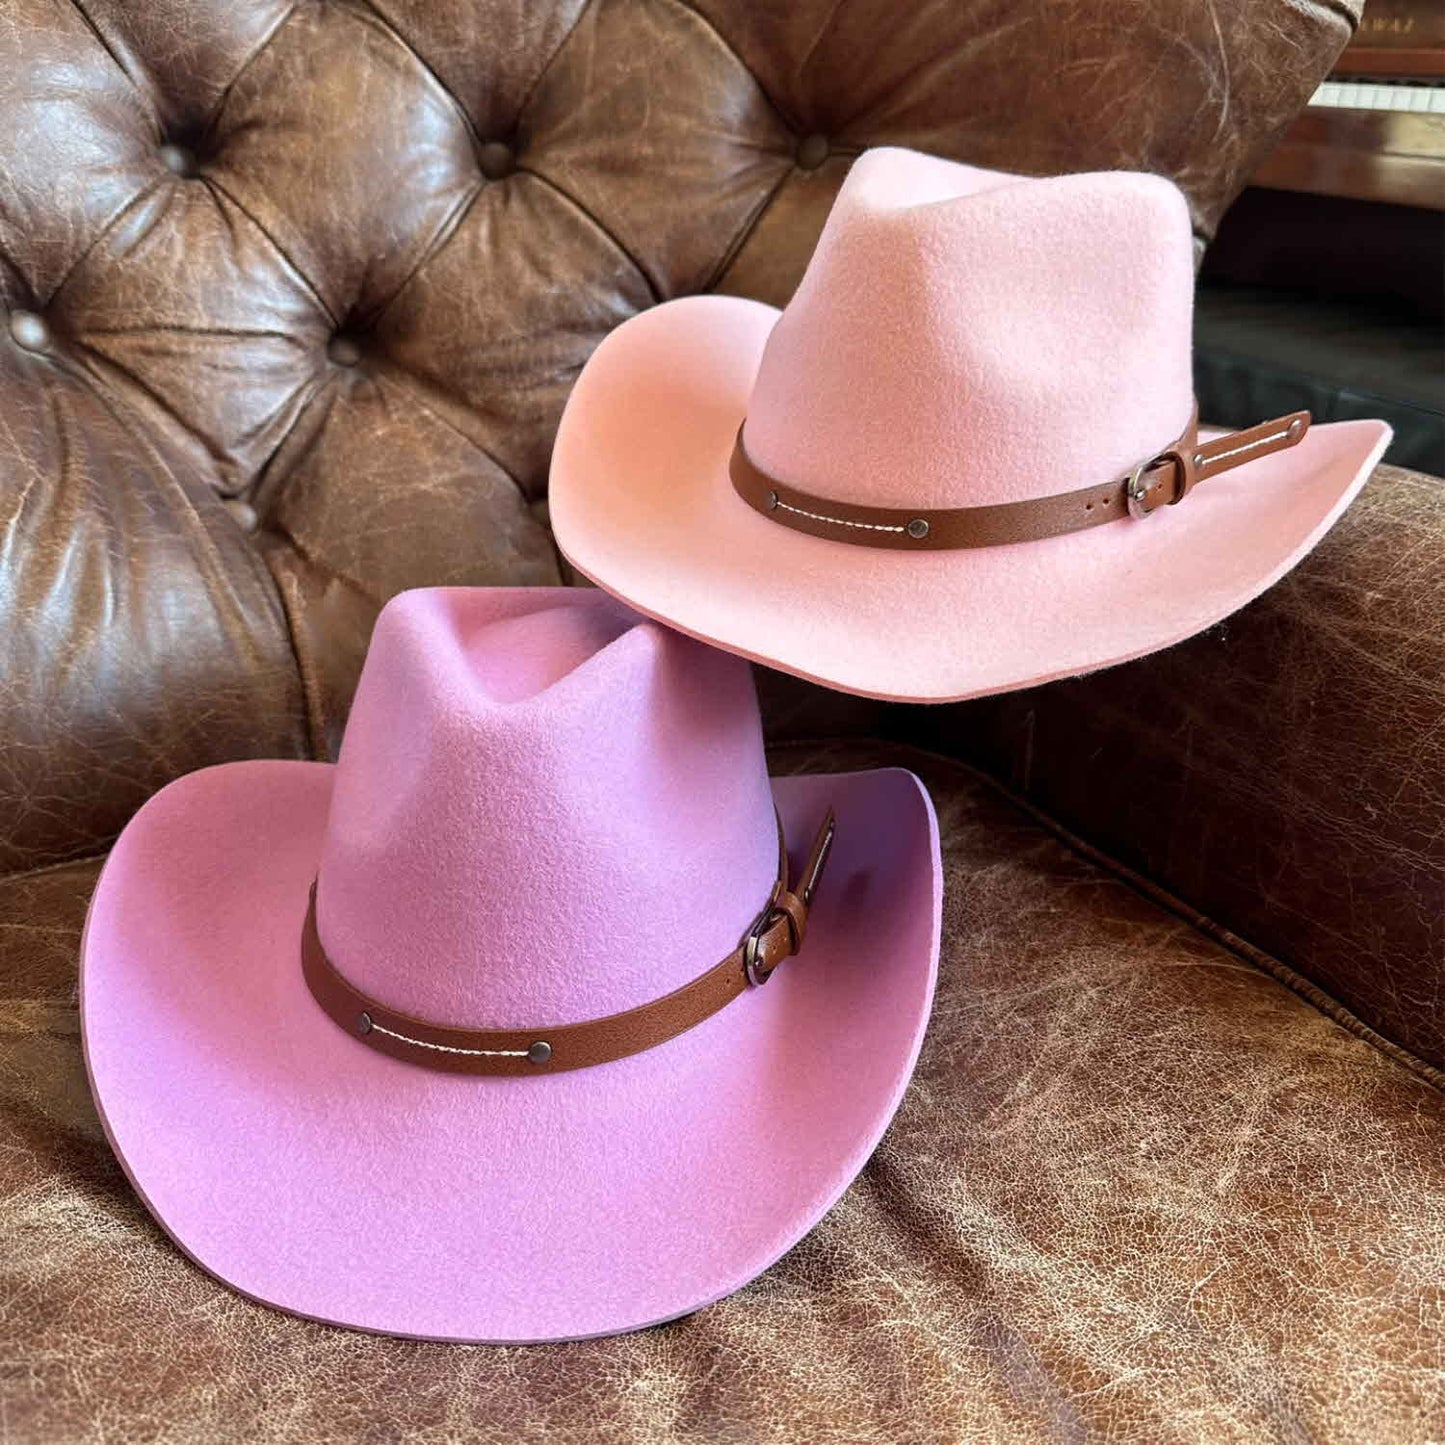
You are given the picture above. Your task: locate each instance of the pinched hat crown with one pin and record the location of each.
(963, 459)
(546, 810)
(963, 337)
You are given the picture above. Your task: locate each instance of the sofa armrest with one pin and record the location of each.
(1284, 773)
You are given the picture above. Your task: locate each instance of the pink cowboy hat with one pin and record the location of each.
(520, 1071)
(960, 439)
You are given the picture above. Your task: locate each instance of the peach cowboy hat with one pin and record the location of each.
(946, 468)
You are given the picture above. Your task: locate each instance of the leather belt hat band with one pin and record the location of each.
(1165, 479)
(775, 934)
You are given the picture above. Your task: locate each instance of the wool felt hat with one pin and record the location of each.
(386, 1110)
(943, 470)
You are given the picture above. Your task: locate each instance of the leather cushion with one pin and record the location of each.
(1282, 771)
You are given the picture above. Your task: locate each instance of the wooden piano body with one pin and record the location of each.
(1375, 130)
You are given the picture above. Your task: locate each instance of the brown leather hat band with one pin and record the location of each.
(774, 935)
(1163, 480)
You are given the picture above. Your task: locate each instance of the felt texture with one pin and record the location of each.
(313, 1174)
(960, 338)
(609, 783)
(963, 337)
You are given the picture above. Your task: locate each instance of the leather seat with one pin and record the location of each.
(293, 294)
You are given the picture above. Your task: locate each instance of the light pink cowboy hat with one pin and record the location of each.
(416, 1109)
(931, 498)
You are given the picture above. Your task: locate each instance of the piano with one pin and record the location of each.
(1375, 130)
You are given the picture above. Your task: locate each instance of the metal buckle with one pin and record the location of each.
(753, 943)
(1136, 493)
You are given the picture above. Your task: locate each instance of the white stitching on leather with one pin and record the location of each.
(447, 1049)
(1247, 447)
(838, 521)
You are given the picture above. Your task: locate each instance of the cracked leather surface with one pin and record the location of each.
(1285, 771)
(1137, 1191)
(291, 295)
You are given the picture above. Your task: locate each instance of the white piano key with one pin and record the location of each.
(1379, 96)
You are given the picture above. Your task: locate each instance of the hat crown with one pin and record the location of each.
(545, 810)
(964, 337)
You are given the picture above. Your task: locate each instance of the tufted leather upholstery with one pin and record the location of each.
(293, 293)
(306, 285)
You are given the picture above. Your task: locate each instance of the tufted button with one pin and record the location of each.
(497, 159)
(29, 331)
(178, 159)
(343, 351)
(243, 512)
(812, 151)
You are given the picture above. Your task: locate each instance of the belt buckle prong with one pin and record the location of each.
(753, 944)
(1136, 493)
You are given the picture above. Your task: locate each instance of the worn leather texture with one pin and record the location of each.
(306, 286)
(1284, 772)
(1137, 1191)
(292, 296)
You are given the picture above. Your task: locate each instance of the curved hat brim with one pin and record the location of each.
(318, 1176)
(641, 503)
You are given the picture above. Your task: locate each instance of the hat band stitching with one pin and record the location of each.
(839, 521)
(448, 1048)
(1163, 479)
(775, 934)
(1249, 446)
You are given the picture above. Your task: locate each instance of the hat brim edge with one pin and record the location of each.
(657, 586)
(244, 775)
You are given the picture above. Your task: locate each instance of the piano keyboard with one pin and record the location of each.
(1380, 95)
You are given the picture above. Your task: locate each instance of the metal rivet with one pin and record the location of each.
(540, 1052)
(29, 330)
(772, 501)
(343, 351)
(918, 528)
(1295, 427)
(363, 1024)
(1198, 459)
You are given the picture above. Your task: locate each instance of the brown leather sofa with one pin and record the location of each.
(294, 294)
